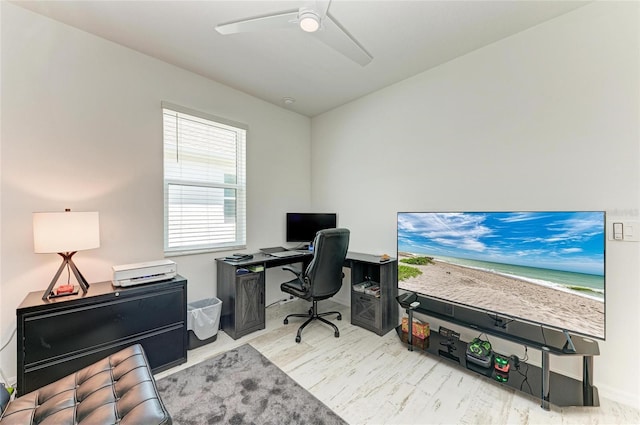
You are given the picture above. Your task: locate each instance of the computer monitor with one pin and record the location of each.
(302, 227)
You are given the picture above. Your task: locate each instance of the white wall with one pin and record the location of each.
(82, 129)
(546, 119)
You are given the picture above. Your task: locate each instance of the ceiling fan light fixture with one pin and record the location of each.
(308, 20)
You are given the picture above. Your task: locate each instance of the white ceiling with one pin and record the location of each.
(404, 38)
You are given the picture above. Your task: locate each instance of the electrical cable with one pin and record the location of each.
(275, 302)
(9, 340)
(525, 375)
(281, 300)
(486, 337)
(504, 325)
(2, 377)
(497, 321)
(526, 378)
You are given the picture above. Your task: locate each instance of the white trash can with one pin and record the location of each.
(203, 321)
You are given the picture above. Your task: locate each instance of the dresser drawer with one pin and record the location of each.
(160, 348)
(50, 335)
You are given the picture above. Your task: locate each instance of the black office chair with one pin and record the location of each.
(323, 277)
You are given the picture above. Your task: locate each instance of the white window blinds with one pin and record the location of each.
(204, 182)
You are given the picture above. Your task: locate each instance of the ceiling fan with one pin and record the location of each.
(313, 18)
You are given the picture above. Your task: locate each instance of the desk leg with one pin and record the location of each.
(587, 380)
(546, 375)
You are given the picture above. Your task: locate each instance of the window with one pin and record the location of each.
(204, 182)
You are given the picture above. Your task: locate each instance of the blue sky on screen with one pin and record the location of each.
(568, 241)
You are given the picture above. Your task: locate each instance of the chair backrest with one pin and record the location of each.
(325, 269)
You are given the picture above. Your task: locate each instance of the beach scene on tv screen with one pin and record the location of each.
(544, 267)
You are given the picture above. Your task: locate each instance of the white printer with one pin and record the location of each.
(139, 273)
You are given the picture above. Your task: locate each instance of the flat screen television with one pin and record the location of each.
(302, 227)
(545, 268)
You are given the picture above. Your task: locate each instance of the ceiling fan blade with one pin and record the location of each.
(262, 23)
(335, 36)
(322, 6)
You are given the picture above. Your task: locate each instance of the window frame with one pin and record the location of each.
(240, 186)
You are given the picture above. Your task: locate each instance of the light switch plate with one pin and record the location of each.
(623, 230)
(617, 231)
(631, 231)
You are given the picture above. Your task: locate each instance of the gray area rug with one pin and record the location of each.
(240, 386)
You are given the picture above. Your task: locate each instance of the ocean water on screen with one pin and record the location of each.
(587, 285)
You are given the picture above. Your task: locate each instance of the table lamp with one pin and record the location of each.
(65, 233)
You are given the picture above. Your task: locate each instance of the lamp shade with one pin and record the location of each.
(66, 231)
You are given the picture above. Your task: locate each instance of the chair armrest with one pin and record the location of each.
(293, 270)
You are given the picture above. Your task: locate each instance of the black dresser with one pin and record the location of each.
(62, 335)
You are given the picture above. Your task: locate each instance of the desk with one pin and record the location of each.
(241, 288)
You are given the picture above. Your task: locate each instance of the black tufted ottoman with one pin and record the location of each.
(119, 389)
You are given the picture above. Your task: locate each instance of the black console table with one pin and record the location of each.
(550, 387)
(241, 288)
(62, 335)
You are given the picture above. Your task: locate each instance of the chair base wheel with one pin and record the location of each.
(312, 316)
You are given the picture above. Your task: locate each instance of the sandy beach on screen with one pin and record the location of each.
(510, 296)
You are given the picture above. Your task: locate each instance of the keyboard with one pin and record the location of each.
(272, 249)
(285, 254)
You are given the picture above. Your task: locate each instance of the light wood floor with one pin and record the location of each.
(368, 379)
